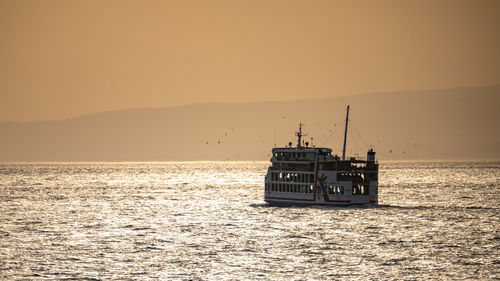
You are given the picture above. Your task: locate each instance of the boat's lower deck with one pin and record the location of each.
(327, 193)
(285, 203)
(284, 198)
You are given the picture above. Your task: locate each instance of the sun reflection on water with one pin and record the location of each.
(207, 220)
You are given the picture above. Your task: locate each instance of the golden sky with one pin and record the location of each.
(60, 59)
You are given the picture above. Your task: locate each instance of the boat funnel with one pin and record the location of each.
(370, 156)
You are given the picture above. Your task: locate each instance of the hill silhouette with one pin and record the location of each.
(438, 124)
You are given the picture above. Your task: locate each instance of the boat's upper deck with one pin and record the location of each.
(308, 154)
(304, 158)
(300, 154)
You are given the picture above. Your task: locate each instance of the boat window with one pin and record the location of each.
(359, 189)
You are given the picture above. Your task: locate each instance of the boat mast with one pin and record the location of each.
(345, 133)
(275, 134)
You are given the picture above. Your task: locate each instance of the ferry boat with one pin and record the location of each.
(312, 175)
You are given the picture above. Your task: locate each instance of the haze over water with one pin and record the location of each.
(207, 220)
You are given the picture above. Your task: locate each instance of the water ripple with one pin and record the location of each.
(207, 220)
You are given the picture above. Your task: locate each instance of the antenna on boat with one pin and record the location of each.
(299, 135)
(345, 133)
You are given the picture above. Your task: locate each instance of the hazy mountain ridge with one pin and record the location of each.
(441, 124)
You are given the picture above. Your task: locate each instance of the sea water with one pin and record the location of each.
(208, 221)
